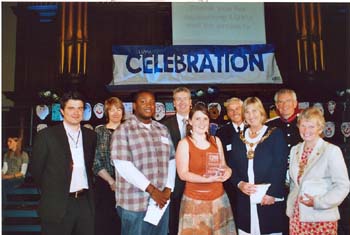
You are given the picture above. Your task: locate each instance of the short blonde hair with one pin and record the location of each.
(116, 102)
(181, 89)
(233, 100)
(314, 114)
(256, 102)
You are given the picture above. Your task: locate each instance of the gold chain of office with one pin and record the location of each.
(251, 152)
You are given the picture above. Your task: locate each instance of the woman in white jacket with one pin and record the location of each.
(319, 179)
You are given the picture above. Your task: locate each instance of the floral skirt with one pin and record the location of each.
(296, 227)
(206, 217)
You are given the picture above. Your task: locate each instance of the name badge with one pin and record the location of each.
(228, 147)
(164, 140)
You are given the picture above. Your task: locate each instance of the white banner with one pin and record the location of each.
(135, 65)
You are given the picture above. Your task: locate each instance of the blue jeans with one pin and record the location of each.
(8, 186)
(133, 224)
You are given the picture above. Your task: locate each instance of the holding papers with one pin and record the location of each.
(154, 213)
(261, 190)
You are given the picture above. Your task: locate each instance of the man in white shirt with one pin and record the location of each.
(62, 168)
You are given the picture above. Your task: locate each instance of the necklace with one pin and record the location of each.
(254, 132)
(303, 161)
(251, 152)
(75, 141)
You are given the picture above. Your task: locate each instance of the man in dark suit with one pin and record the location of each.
(227, 132)
(177, 128)
(62, 168)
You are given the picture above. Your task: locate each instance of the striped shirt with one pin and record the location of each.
(149, 150)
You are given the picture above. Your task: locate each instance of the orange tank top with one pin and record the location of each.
(198, 165)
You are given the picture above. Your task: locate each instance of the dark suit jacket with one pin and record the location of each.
(173, 127)
(51, 167)
(226, 133)
(270, 166)
(289, 129)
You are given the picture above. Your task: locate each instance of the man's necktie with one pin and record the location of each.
(183, 131)
(239, 129)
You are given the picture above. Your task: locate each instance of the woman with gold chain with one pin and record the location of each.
(259, 163)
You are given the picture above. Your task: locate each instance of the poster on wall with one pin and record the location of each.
(135, 65)
(56, 113)
(127, 109)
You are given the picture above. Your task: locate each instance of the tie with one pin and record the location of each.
(239, 129)
(183, 131)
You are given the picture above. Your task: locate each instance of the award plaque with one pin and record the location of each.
(213, 166)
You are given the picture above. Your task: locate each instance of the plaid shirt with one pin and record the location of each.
(103, 153)
(149, 150)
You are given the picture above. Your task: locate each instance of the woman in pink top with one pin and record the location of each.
(205, 207)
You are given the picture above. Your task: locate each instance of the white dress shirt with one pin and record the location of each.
(79, 178)
(241, 126)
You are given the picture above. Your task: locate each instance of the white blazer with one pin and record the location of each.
(325, 177)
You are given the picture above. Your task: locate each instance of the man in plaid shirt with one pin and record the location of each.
(143, 155)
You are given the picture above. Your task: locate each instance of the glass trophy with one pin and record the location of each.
(213, 166)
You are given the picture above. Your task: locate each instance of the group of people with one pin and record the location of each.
(282, 166)
(175, 177)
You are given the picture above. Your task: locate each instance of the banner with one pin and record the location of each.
(134, 65)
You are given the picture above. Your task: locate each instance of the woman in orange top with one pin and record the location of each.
(205, 207)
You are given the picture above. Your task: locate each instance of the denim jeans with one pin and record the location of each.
(133, 224)
(8, 186)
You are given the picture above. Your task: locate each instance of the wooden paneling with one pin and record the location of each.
(36, 54)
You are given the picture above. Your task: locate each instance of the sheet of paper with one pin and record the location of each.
(154, 213)
(261, 190)
(259, 194)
